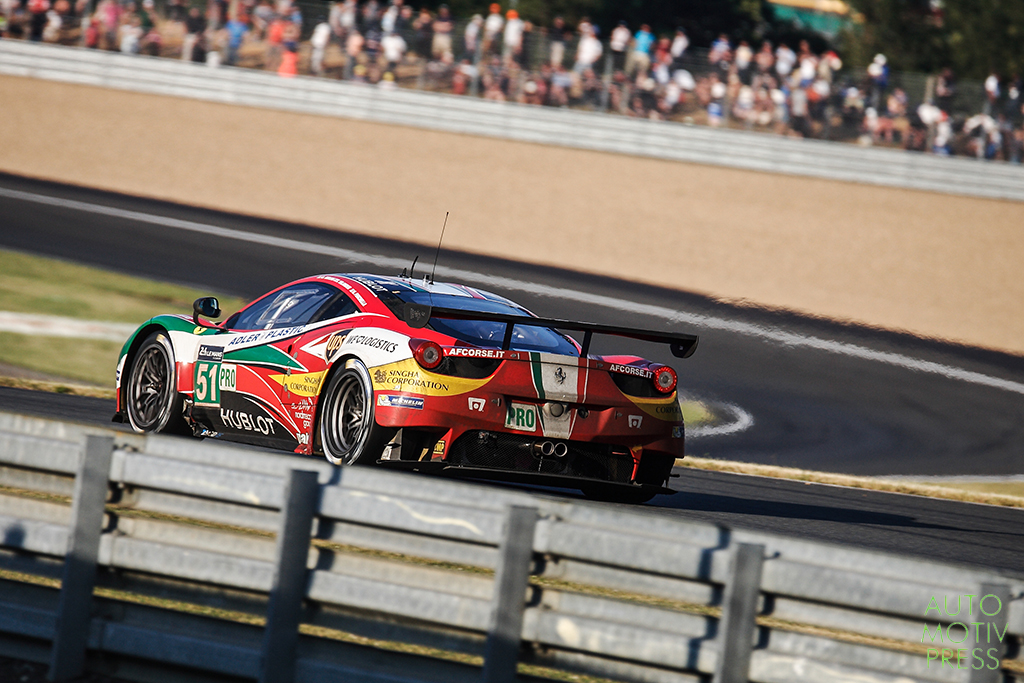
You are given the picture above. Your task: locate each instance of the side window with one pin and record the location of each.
(337, 307)
(292, 306)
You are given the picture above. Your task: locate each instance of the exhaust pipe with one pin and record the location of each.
(546, 449)
(543, 449)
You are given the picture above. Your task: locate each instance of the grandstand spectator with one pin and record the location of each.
(318, 41)
(195, 24)
(492, 28)
(679, 44)
(471, 36)
(393, 46)
(785, 59)
(618, 44)
(557, 36)
(640, 57)
(512, 40)
(37, 21)
(441, 43)
(588, 51)
(289, 66)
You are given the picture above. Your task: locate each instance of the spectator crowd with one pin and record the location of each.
(788, 89)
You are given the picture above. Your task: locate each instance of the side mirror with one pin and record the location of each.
(208, 307)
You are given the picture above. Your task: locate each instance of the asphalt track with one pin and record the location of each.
(822, 396)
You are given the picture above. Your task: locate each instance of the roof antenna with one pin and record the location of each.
(411, 268)
(438, 247)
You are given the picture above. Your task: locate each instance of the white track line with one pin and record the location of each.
(709, 322)
(59, 326)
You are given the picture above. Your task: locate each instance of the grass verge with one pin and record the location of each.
(1006, 495)
(35, 284)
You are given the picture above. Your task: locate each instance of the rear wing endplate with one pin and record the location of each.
(681, 345)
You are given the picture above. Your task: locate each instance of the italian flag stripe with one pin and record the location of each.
(538, 376)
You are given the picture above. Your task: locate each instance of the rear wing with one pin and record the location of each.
(681, 345)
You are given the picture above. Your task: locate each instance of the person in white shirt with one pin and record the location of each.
(587, 52)
(618, 44)
(513, 39)
(679, 44)
(784, 60)
(319, 41)
(492, 27)
(393, 46)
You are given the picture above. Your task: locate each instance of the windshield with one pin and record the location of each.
(485, 333)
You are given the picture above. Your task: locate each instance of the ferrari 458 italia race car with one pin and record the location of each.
(412, 375)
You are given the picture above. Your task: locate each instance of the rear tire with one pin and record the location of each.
(151, 398)
(349, 435)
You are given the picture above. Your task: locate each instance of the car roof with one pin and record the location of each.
(397, 286)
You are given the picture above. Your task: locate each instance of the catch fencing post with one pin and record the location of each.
(512, 576)
(281, 635)
(986, 636)
(739, 609)
(74, 609)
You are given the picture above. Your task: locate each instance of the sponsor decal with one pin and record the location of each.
(677, 432)
(264, 336)
(370, 284)
(346, 286)
(403, 379)
(635, 421)
(983, 632)
(334, 343)
(372, 342)
(521, 417)
(477, 404)
(630, 370)
(392, 401)
(560, 375)
(439, 447)
(245, 422)
(463, 352)
(214, 354)
(302, 383)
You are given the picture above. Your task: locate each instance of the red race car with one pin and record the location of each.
(412, 375)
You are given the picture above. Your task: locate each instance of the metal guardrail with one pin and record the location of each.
(662, 140)
(176, 534)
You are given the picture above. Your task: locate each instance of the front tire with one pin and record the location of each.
(151, 398)
(349, 435)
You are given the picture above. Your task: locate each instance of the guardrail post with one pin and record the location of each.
(74, 609)
(991, 616)
(290, 577)
(512, 575)
(739, 609)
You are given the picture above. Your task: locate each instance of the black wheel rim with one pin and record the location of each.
(149, 388)
(346, 420)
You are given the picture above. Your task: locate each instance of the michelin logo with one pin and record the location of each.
(392, 401)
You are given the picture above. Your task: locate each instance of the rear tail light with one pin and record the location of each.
(665, 379)
(427, 353)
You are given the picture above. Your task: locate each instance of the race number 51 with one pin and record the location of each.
(210, 379)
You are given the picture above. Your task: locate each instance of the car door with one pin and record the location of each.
(240, 376)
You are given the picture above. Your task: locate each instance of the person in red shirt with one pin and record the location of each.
(289, 63)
